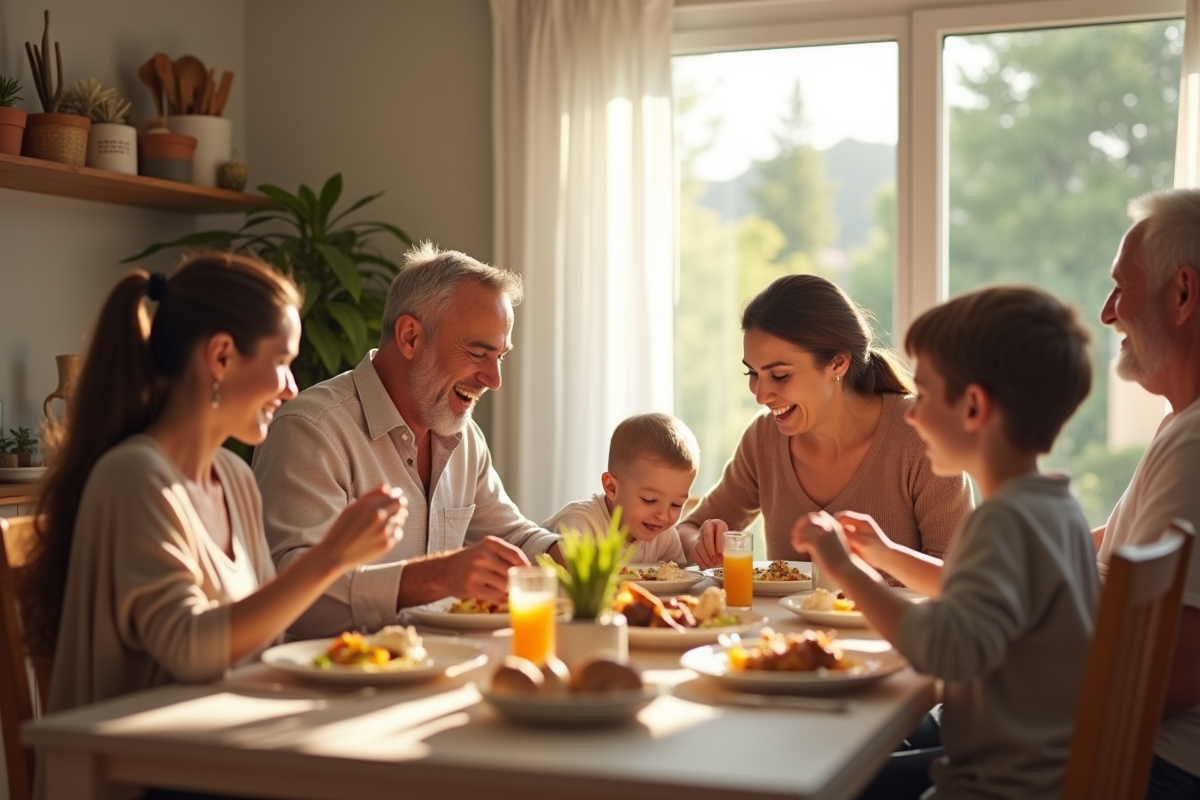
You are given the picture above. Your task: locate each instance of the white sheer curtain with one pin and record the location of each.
(1187, 148)
(584, 190)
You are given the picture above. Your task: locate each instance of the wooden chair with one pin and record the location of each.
(18, 702)
(1129, 660)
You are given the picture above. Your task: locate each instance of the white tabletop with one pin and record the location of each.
(261, 733)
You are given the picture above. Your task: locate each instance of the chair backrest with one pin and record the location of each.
(1128, 664)
(17, 702)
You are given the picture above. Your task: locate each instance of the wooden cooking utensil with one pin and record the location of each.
(191, 74)
(149, 76)
(166, 76)
(222, 93)
(206, 95)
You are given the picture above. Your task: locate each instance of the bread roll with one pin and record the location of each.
(605, 675)
(517, 676)
(556, 678)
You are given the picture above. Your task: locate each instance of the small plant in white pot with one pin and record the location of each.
(12, 120)
(112, 141)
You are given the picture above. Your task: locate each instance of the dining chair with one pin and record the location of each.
(1125, 681)
(22, 686)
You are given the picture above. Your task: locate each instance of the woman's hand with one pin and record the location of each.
(820, 535)
(865, 537)
(710, 546)
(367, 528)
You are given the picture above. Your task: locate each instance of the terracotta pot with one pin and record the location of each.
(12, 130)
(24, 459)
(57, 137)
(166, 155)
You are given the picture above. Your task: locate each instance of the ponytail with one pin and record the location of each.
(117, 396)
(884, 372)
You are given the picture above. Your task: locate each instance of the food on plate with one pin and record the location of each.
(779, 570)
(665, 571)
(473, 605)
(644, 610)
(394, 648)
(825, 600)
(793, 652)
(519, 676)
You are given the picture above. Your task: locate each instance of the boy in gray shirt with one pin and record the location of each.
(999, 371)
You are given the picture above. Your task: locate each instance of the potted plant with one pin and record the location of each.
(12, 120)
(8, 456)
(52, 136)
(23, 445)
(594, 560)
(344, 276)
(112, 141)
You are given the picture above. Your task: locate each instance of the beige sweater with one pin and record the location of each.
(894, 485)
(148, 592)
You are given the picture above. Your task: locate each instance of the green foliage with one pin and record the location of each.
(22, 440)
(8, 445)
(8, 92)
(594, 562)
(342, 274)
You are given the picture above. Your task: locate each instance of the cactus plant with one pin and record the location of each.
(43, 76)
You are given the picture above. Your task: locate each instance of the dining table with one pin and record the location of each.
(262, 732)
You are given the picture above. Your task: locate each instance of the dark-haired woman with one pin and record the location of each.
(831, 436)
(152, 565)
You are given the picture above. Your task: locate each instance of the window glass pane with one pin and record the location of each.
(1051, 133)
(786, 164)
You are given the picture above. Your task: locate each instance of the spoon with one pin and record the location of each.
(165, 69)
(222, 93)
(149, 76)
(191, 74)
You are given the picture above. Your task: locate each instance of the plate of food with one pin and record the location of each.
(394, 655)
(665, 577)
(464, 614)
(811, 663)
(21, 474)
(774, 578)
(599, 692)
(823, 607)
(683, 621)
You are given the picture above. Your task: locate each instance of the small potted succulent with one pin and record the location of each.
(8, 456)
(594, 560)
(52, 135)
(112, 141)
(23, 445)
(12, 120)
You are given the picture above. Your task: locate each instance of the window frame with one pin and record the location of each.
(921, 175)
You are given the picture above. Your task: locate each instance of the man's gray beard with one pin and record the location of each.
(1144, 357)
(433, 403)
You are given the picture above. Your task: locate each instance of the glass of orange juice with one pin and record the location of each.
(738, 569)
(532, 605)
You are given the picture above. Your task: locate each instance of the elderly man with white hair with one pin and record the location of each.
(1155, 305)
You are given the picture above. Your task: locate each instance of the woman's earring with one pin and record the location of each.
(216, 396)
(837, 378)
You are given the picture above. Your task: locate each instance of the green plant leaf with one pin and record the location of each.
(325, 342)
(343, 267)
(355, 207)
(312, 294)
(594, 560)
(330, 193)
(350, 318)
(285, 199)
(384, 226)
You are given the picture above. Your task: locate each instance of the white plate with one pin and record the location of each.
(834, 619)
(665, 587)
(574, 710)
(437, 615)
(21, 474)
(446, 656)
(671, 638)
(876, 665)
(771, 588)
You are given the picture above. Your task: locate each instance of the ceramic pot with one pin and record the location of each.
(12, 130)
(580, 639)
(166, 155)
(113, 147)
(68, 376)
(214, 143)
(57, 137)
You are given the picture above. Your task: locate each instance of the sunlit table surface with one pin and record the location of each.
(261, 733)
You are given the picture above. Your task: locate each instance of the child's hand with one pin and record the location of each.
(865, 537)
(820, 535)
(710, 546)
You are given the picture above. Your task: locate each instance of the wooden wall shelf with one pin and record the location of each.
(85, 183)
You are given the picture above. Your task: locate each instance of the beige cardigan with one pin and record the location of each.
(148, 592)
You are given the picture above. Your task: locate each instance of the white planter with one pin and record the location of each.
(581, 639)
(214, 144)
(112, 146)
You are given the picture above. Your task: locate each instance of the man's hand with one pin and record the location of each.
(710, 546)
(481, 570)
(821, 536)
(865, 538)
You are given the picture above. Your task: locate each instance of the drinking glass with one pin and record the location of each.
(738, 569)
(532, 601)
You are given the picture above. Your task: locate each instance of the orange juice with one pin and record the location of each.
(533, 615)
(738, 577)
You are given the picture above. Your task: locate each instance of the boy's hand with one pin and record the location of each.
(710, 546)
(865, 537)
(820, 535)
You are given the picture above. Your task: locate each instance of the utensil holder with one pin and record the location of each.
(214, 144)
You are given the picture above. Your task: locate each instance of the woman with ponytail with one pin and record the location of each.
(152, 566)
(832, 435)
